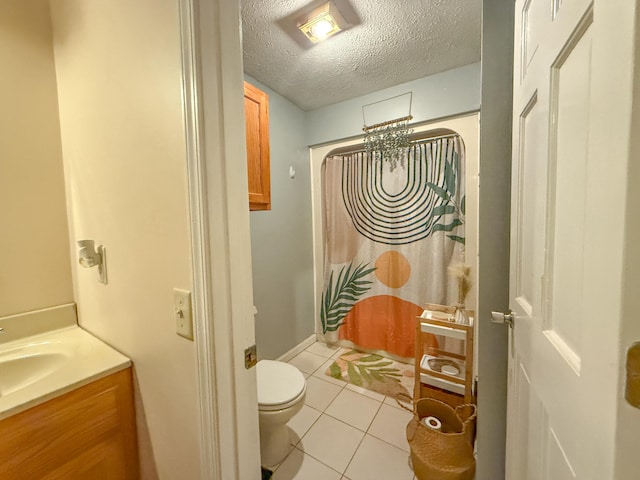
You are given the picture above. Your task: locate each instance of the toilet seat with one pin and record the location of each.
(280, 385)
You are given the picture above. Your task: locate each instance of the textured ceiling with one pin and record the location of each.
(391, 42)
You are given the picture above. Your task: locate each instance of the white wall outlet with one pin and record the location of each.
(182, 313)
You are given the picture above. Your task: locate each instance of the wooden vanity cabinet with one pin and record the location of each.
(256, 116)
(88, 433)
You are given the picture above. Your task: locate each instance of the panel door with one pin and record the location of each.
(554, 370)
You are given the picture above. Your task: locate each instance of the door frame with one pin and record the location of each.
(493, 237)
(212, 93)
(212, 96)
(212, 58)
(212, 74)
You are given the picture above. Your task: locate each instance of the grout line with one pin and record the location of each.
(320, 461)
(328, 378)
(339, 352)
(374, 417)
(310, 426)
(299, 446)
(354, 454)
(295, 351)
(353, 389)
(314, 354)
(390, 444)
(352, 426)
(382, 439)
(392, 403)
(330, 383)
(364, 396)
(327, 357)
(404, 452)
(276, 467)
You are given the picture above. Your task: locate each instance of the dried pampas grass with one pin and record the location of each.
(461, 273)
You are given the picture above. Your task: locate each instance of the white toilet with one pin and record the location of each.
(281, 393)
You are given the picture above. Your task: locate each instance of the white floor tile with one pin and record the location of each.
(390, 425)
(273, 468)
(366, 392)
(307, 362)
(354, 409)
(320, 393)
(301, 423)
(320, 348)
(377, 459)
(332, 442)
(340, 352)
(394, 403)
(300, 466)
(321, 373)
(333, 445)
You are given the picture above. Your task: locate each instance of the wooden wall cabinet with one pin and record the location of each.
(256, 116)
(88, 433)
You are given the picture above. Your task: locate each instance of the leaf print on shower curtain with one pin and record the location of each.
(447, 194)
(338, 298)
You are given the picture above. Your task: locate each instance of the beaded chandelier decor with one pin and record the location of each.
(386, 141)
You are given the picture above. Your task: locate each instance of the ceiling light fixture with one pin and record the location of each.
(322, 22)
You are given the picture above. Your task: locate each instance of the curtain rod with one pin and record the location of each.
(414, 137)
(366, 128)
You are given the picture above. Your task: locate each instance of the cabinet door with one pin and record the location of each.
(256, 114)
(104, 461)
(88, 433)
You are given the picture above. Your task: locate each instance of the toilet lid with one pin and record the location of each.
(278, 382)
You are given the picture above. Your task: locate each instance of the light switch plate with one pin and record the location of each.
(182, 313)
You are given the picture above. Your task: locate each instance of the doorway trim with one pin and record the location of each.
(209, 437)
(212, 81)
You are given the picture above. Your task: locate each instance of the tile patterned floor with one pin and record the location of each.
(343, 432)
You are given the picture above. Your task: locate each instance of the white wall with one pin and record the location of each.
(437, 96)
(119, 83)
(35, 268)
(281, 254)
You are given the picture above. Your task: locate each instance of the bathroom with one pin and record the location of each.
(288, 319)
(116, 128)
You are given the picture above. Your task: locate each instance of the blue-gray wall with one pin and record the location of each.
(281, 241)
(441, 95)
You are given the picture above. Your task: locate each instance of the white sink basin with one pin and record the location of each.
(37, 368)
(23, 366)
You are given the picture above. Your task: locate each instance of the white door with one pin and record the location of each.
(572, 96)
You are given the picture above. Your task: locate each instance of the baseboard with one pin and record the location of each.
(307, 342)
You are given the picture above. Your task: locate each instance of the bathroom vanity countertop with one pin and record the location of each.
(38, 368)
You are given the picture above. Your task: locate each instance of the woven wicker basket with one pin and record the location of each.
(446, 454)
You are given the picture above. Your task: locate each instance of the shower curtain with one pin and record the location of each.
(390, 236)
